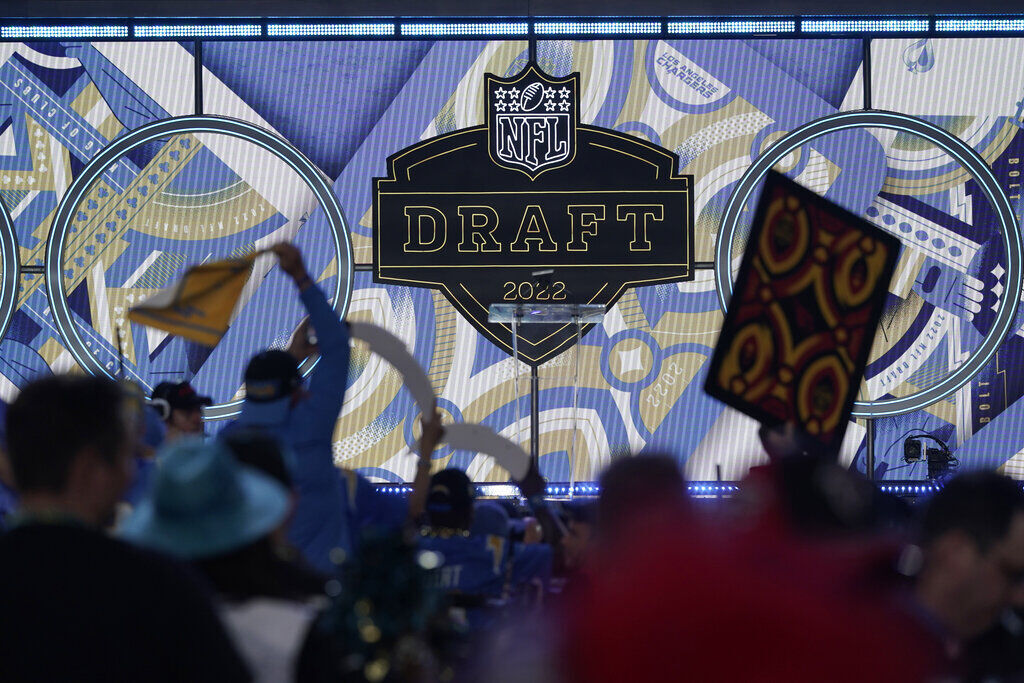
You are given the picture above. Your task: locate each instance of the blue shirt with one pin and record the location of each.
(530, 562)
(8, 503)
(145, 471)
(373, 509)
(481, 564)
(323, 518)
(473, 565)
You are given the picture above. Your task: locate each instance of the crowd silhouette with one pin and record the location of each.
(134, 549)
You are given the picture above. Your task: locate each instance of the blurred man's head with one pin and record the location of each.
(450, 501)
(972, 535)
(273, 386)
(580, 532)
(184, 414)
(490, 519)
(260, 450)
(71, 442)
(638, 485)
(263, 452)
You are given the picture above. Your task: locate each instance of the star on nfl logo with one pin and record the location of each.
(531, 120)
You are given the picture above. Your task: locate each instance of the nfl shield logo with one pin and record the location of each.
(531, 120)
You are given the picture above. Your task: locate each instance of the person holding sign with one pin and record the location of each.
(302, 418)
(792, 350)
(477, 569)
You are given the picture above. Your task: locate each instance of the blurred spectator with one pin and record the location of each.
(471, 569)
(527, 560)
(181, 408)
(385, 623)
(152, 434)
(450, 501)
(972, 537)
(633, 487)
(683, 602)
(303, 420)
(997, 656)
(577, 542)
(263, 452)
(478, 570)
(490, 519)
(8, 498)
(221, 515)
(526, 530)
(673, 595)
(804, 489)
(76, 604)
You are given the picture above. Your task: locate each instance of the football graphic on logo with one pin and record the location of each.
(532, 96)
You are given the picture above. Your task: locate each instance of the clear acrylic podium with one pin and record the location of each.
(516, 314)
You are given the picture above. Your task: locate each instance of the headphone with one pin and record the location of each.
(162, 407)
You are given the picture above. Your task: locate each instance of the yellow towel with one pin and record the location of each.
(199, 305)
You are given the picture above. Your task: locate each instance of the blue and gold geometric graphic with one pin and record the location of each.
(718, 104)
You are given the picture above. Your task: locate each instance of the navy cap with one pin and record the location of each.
(180, 396)
(271, 375)
(450, 489)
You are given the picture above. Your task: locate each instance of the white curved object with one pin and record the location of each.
(480, 438)
(392, 349)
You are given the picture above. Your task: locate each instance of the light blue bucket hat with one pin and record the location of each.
(203, 503)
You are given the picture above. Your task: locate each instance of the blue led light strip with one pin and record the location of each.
(515, 28)
(710, 26)
(568, 27)
(909, 489)
(83, 31)
(699, 489)
(979, 25)
(677, 26)
(395, 489)
(863, 25)
(198, 30)
(362, 29)
(596, 27)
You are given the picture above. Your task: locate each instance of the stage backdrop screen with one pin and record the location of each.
(719, 105)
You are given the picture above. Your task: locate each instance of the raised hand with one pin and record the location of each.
(290, 258)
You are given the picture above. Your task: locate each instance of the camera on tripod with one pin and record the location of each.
(940, 461)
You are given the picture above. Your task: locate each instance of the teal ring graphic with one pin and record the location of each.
(970, 160)
(11, 271)
(260, 137)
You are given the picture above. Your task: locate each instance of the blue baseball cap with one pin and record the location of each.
(204, 503)
(271, 375)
